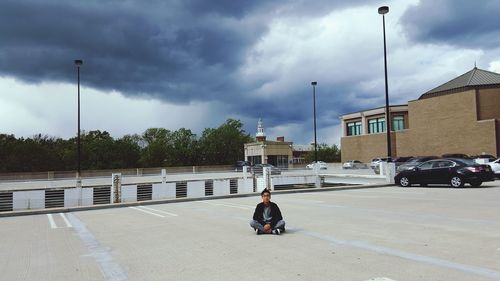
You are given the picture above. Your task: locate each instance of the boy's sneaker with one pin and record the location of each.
(258, 232)
(277, 231)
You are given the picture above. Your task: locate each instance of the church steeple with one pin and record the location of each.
(260, 136)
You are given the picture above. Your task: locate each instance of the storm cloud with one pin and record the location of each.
(473, 24)
(249, 58)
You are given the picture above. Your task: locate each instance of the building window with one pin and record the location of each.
(398, 123)
(354, 128)
(376, 125)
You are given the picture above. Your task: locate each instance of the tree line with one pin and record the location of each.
(156, 147)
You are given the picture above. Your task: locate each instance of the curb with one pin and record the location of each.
(180, 200)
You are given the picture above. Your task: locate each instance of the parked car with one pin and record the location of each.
(456, 155)
(453, 171)
(376, 161)
(495, 166)
(483, 158)
(322, 165)
(354, 164)
(375, 164)
(258, 169)
(398, 161)
(412, 163)
(238, 166)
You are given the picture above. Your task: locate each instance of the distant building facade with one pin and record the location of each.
(277, 153)
(460, 116)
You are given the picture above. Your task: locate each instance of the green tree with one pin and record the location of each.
(155, 151)
(182, 148)
(223, 145)
(97, 150)
(127, 152)
(325, 153)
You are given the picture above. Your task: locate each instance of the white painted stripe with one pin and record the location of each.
(159, 211)
(147, 212)
(51, 221)
(239, 205)
(111, 270)
(65, 220)
(480, 271)
(301, 200)
(225, 205)
(381, 279)
(231, 206)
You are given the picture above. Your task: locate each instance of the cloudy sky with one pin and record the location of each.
(195, 63)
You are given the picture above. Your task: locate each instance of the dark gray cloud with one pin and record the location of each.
(464, 23)
(123, 47)
(156, 47)
(176, 51)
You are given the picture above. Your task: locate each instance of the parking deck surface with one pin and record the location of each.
(389, 233)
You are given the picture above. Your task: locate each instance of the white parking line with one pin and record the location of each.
(147, 212)
(472, 269)
(111, 269)
(53, 224)
(159, 211)
(239, 205)
(380, 279)
(51, 221)
(65, 220)
(227, 205)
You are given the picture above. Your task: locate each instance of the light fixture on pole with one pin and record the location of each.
(384, 10)
(78, 63)
(314, 83)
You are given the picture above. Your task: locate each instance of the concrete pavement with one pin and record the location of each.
(390, 233)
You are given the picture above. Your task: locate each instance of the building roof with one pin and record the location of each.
(469, 80)
(392, 108)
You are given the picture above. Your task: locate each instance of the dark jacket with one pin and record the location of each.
(258, 215)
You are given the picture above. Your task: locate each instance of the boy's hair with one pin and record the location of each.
(265, 191)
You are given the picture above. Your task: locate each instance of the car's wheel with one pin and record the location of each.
(456, 181)
(404, 182)
(476, 183)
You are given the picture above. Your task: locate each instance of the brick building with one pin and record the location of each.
(460, 116)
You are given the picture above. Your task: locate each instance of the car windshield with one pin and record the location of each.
(467, 161)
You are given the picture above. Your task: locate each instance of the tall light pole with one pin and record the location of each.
(78, 63)
(384, 10)
(314, 83)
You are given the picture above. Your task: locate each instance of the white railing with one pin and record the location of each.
(118, 191)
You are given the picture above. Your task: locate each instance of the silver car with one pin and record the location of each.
(353, 164)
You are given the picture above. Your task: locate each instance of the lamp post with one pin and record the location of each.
(384, 10)
(314, 83)
(78, 63)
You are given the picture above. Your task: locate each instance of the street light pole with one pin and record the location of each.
(78, 63)
(384, 10)
(314, 83)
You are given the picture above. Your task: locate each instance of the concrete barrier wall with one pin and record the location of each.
(26, 200)
(195, 189)
(163, 190)
(285, 180)
(73, 197)
(129, 193)
(221, 187)
(245, 185)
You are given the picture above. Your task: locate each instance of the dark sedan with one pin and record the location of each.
(455, 172)
(413, 162)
